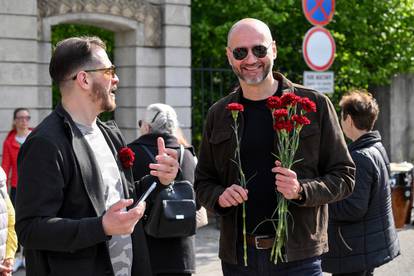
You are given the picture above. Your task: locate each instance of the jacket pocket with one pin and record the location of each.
(341, 238)
(309, 130)
(219, 136)
(308, 151)
(222, 148)
(79, 262)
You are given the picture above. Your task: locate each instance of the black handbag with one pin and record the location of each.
(173, 213)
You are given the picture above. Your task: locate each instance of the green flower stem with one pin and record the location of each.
(244, 235)
(242, 183)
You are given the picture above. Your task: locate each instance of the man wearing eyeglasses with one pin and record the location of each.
(325, 172)
(74, 213)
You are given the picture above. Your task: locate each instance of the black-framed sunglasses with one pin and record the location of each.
(153, 119)
(108, 70)
(259, 51)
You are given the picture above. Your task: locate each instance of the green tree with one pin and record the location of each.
(374, 39)
(62, 31)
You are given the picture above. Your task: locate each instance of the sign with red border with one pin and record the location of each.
(318, 12)
(318, 49)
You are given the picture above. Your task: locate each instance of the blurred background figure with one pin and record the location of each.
(361, 229)
(169, 256)
(8, 237)
(11, 146)
(15, 138)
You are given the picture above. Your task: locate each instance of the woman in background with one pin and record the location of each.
(169, 256)
(11, 146)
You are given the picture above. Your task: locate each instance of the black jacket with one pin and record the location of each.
(326, 172)
(167, 255)
(60, 202)
(361, 228)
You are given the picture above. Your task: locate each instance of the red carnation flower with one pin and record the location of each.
(235, 107)
(127, 157)
(279, 125)
(289, 99)
(288, 126)
(307, 105)
(283, 125)
(280, 113)
(273, 102)
(300, 120)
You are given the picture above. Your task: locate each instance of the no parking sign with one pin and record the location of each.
(318, 49)
(318, 12)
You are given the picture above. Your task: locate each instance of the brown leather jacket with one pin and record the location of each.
(326, 173)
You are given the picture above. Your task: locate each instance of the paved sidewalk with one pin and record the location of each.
(208, 263)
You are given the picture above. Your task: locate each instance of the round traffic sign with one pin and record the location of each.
(318, 49)
(318, 12)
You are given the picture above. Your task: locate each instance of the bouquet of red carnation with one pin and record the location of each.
(288, 114)
(235, 108)
(127, 157)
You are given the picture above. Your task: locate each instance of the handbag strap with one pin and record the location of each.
(181, 155)
(149, 153)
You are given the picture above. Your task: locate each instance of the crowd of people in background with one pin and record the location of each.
(73, 179)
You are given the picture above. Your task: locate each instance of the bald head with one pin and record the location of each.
(249, 25)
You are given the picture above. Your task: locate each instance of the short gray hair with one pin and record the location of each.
(161, 118)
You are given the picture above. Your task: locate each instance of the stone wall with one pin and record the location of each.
(152, 51)
(19, 82)
(396, 120)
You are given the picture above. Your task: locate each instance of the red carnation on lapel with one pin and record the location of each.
(127, 157)
(235, 107)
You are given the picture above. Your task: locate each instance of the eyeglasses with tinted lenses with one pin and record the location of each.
(107, 71)
(140, 123)
(259, 51)
(21, 118)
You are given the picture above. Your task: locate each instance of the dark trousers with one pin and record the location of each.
(259, 264)
(369, 272)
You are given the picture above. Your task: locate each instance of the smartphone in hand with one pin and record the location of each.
(146, 194)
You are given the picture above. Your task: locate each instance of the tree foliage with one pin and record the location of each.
(374, 39)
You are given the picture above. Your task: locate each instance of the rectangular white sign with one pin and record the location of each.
(320, 81)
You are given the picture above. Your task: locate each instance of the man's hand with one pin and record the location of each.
(166, 168)
(286, 182)
(118, 221)
(232, 196)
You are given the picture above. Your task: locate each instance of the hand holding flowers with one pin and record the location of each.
(288, 120)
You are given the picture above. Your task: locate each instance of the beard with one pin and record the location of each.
(103, 95)
(253, 80)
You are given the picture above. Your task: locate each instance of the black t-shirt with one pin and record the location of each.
(257, 146)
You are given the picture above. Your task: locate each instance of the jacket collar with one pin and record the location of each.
(365, 141)
(286, 87)
(90, 172)
(284, 84)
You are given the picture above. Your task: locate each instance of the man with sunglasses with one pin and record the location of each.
(74, 207)
(324, 174)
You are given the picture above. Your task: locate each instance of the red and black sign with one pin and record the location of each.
(318, 12)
